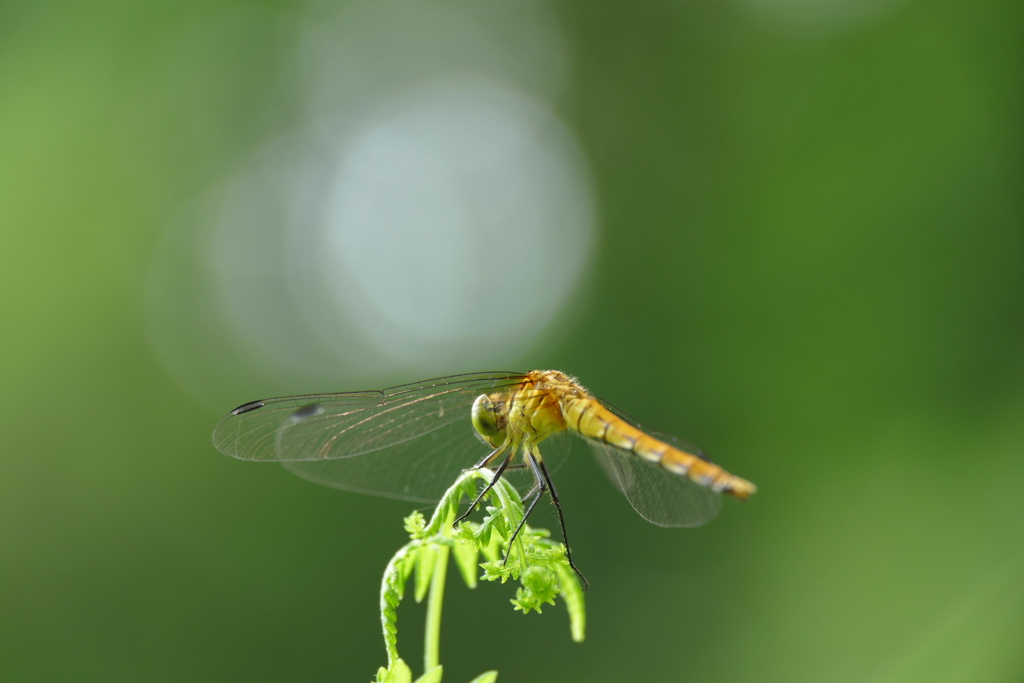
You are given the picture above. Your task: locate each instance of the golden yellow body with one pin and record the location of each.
(549, 401)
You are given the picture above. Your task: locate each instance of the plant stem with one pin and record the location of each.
(435, 600)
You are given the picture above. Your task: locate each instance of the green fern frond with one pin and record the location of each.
(539, 563)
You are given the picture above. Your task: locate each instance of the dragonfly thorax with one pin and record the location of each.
(527, 414)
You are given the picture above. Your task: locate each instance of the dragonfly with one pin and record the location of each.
(413, 440)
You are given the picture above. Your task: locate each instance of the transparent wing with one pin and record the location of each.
(427, 466)
(420, 470)
(408, 442)
(659, 496)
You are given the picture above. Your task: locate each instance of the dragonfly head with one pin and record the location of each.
(489, 421)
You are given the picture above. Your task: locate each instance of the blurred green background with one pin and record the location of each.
(789, 231)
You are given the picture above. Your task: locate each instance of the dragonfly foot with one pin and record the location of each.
(461, 518)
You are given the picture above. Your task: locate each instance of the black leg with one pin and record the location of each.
(538, 490)
(488, 458)
(494, 480)
(561, 521)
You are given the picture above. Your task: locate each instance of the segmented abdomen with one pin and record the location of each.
(591, 419)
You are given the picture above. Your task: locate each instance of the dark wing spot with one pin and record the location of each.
(247, 407)
(306, 412)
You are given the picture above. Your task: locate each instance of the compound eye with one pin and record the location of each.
(485, 419)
